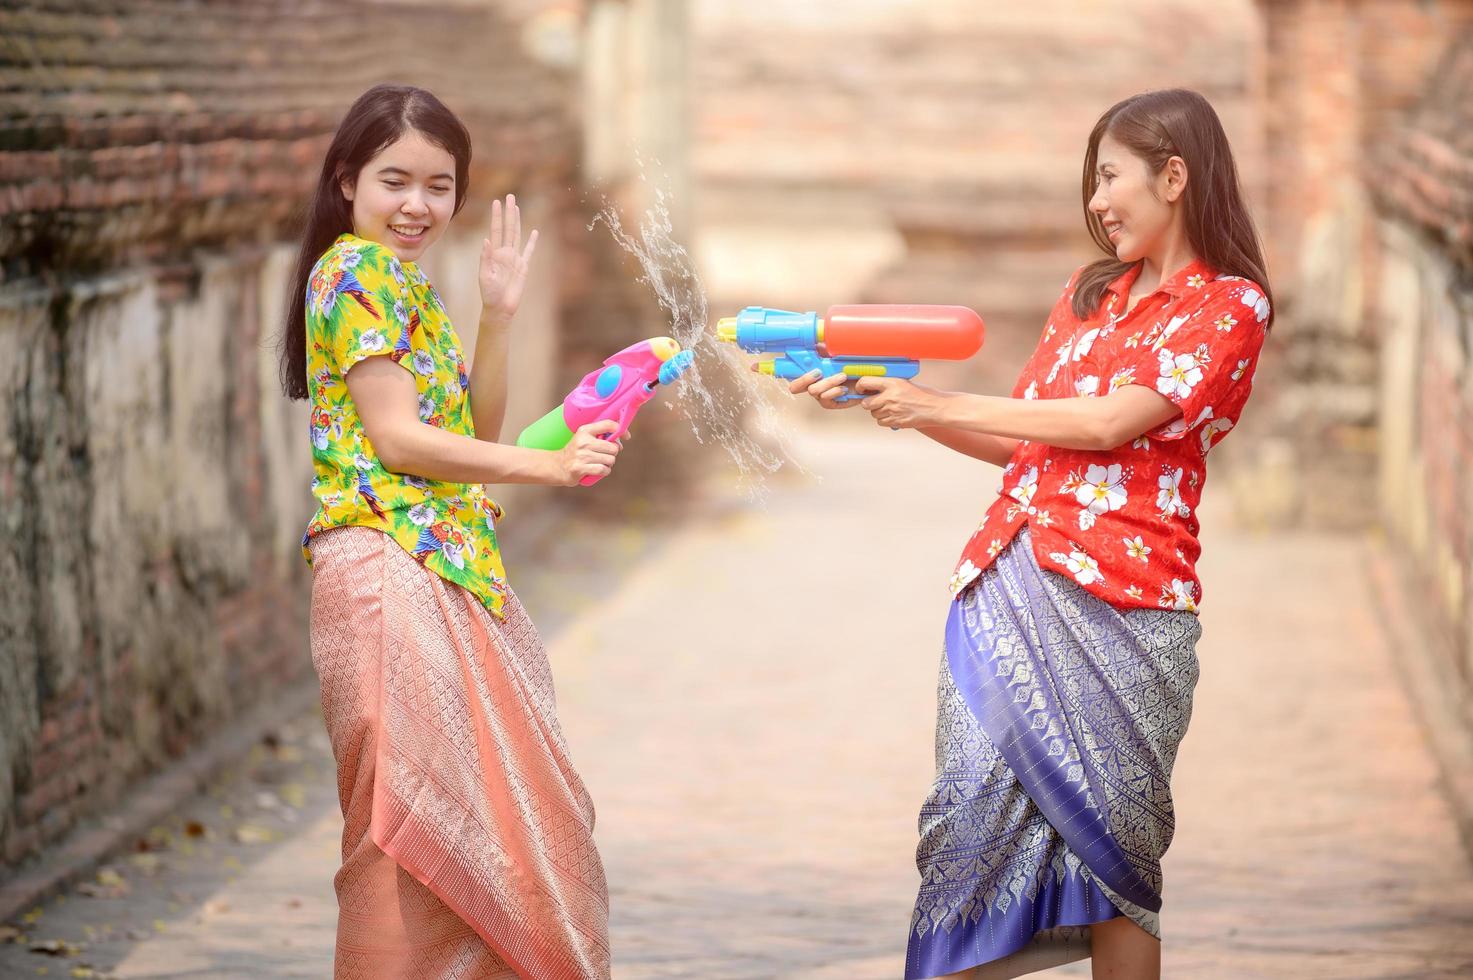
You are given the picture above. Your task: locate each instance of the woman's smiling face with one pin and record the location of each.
(405, 196)
(1134, 205)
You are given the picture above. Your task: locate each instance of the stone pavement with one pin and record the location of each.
(750, 702)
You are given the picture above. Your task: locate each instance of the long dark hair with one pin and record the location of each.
(1157, 126)
(380, 116)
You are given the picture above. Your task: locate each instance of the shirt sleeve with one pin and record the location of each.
(367, 315)
(1204, 359)
(1043, 354)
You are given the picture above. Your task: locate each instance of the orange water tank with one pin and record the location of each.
(914, 331)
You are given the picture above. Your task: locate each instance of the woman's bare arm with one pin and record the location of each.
(489, 378)
(988, 448)
(388, 405)
(1069, 423)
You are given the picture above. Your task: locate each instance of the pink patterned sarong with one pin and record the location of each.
(468, 839)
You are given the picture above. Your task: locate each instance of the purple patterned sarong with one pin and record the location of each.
(1058, 721)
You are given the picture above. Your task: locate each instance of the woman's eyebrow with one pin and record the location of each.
(405, 173)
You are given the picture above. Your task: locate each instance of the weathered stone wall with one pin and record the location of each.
(1339, 74)
(1370, 149)
(153, 481)
(1421, 179)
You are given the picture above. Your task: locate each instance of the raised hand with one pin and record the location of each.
(504, 262)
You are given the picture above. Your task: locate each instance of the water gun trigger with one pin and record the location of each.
(623, 419)
(808, 361)
(620, 432)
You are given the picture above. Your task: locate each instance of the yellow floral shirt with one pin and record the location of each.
(363, 302)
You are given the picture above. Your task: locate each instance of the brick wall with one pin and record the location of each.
(153, 482)
(1421, 179)
(1371, 236)
(1338, 74)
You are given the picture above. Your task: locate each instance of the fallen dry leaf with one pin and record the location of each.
(55, 947)
(93, 889)
(107, 884)
(250, 833)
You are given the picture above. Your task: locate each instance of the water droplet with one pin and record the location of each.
(718, 394)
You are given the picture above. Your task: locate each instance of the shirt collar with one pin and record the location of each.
(409, 267)
(1177, 286)
(1121, 284)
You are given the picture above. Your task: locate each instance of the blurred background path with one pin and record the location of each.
(750, 701)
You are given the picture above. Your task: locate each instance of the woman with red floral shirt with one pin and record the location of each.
(1070, 659)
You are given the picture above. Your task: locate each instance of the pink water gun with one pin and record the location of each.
(616, 391)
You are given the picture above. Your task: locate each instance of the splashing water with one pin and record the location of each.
(670, 273)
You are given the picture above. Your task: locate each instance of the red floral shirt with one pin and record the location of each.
(1123, 522)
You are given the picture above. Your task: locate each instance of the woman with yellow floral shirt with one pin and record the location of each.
(467, 846)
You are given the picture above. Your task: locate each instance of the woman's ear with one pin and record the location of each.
(1176, 179)
(347, 186)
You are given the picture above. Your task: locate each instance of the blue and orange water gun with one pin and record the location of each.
(616, 391)
(858, 340)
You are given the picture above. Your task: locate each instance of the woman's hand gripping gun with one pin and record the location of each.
(616, 391)
(861, 340)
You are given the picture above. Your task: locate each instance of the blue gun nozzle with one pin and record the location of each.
(676, 366)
